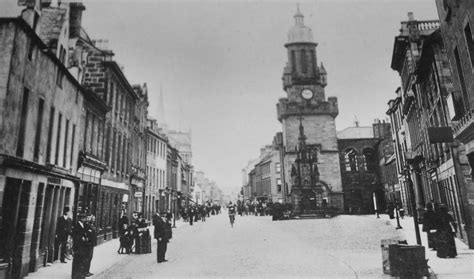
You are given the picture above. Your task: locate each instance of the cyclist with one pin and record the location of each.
(231, 208)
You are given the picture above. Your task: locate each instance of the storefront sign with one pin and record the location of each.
(54, 180)
(138, 194)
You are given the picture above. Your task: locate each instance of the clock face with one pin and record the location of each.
(307, 94)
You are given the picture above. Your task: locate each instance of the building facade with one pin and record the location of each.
(456, 20)
(429, 159)
(157, 144)
(360, 169)
(306, 108)
(263, 181)
(104, 77)
(41, 104)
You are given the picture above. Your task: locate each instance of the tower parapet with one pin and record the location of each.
(285, 108)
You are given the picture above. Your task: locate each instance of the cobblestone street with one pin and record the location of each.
(343, 247)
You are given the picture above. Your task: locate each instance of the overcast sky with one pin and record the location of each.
(220, 64)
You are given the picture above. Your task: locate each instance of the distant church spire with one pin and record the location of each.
(161, 108)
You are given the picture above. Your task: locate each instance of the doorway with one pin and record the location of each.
(15, 207)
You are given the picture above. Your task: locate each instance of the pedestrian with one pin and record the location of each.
(191, 215)
(91, 242)
(162, 235)
(122, 222)
(126, 241)
(141, 235)
(429, 225)
(445, 232)
(390, 210)
(80, 239)
(203, 213)
(63, 230)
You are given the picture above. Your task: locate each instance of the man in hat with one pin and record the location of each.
(162, 236)
(63, 230)
(91, 243)
(80, 247)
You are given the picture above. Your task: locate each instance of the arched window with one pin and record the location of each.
(370, 160)
(304, 67)
(293, 61)
(350, 160)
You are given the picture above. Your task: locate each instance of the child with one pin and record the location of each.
(126, 241)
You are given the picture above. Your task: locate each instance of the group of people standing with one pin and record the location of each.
(84, 238)
(441, 229)
(132, 233)
(193, 213)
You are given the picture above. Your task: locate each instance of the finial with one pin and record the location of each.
(299, 16)
(356, 121)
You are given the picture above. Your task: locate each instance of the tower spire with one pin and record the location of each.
(161, 107)
(299, 17)
(302, 137)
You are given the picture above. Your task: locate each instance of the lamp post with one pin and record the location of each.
(173, 196)
(375, 204)
(413, 204)
(396, 209)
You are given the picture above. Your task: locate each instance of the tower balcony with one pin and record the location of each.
(286, 109)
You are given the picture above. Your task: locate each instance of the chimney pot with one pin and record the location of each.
(411, 16)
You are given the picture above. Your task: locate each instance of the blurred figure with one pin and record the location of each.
(429, 225)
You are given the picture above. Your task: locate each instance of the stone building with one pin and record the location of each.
(40, 128)
(157, 144)
(187, 185)
(428, 160)
(305, 109)
(246, 185)
(456, 21)
(173, 178)
(264, 179)
(182, 141)
(360, 171)
(123, 135)
(138, 153)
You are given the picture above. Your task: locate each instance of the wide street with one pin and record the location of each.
(342, 247)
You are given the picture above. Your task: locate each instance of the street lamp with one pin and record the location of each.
(173, 197)
(375, 204)
(413, 204)
(396, 209)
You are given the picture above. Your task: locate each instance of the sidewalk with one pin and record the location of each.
(105, 256)
(460, 267)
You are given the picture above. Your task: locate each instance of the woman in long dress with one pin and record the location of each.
(445, 230)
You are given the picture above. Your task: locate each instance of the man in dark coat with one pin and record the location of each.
(429, 223)
(91, 242)
(191, 215)
(162, 235)
(80, 242)
(63, 230)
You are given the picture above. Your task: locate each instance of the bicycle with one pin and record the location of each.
(232, 220)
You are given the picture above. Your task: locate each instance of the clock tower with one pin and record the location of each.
(311, 159)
